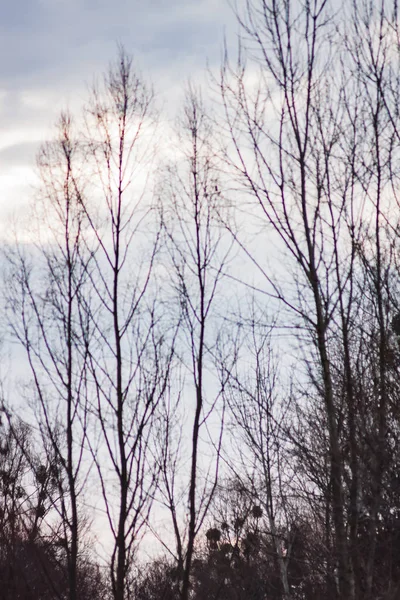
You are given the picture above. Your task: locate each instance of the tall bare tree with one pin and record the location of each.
(198, 253)
(90, 326)
(46, 277)
(128, 366)
(312, 121)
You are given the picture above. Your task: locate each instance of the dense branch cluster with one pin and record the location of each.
(210, 320)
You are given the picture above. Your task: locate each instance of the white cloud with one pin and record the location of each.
(54, 48)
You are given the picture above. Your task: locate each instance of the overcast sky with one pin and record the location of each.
(52, 49)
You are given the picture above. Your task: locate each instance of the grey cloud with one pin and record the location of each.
(41, 39)
(51, 48)
(18, 155)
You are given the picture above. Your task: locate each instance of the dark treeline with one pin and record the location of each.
(209, 313)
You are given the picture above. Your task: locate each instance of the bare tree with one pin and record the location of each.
(260, 426)
(313, 142)
(128, 366)
(90, 326)
(44, 282)
(198, 254)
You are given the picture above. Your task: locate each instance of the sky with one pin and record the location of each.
(53, 49)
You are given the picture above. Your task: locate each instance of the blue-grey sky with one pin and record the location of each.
(52, 49)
